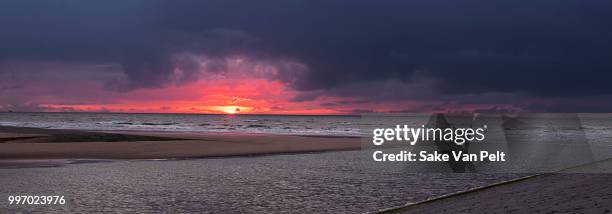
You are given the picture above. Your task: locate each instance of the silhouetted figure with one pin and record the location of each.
(447, 147)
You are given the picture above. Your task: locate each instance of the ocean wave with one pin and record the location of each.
(258, 126)
(159, 124)
(332, 126)
(123, 123)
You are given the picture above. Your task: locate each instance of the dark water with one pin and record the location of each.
(332, 182)
(274, 124)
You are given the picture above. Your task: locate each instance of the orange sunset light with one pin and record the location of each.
(231, 109)
(205, 96)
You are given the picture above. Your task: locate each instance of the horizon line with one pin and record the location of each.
(188, 113)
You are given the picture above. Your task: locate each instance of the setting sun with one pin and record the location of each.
(232, 109)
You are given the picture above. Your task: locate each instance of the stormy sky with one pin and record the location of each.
(357, 56)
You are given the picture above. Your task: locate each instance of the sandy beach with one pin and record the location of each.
(35, 143)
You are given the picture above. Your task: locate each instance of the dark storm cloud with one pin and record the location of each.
(542, 48)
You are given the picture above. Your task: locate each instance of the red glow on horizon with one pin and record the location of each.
(220, 96)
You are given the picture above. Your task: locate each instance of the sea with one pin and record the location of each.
(324, 182)
(328, 182)
(272, 124)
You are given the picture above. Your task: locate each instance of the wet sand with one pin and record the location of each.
(34, 143)
(577, 190)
